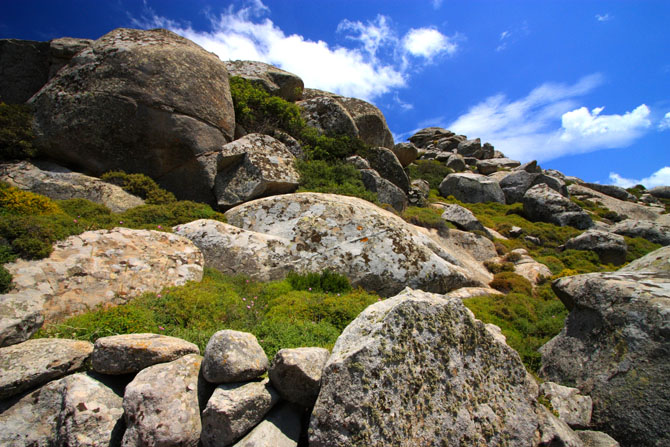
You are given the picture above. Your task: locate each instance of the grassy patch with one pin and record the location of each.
(279, 315)
(432, 171)
(426, 217)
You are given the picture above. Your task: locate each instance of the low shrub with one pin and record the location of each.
(508, 282)
(16, 201)
(432, 171)
(16, 132)
(335, 177)
(326, 281)
(5, 280)
(497, 267)
(141, 186)
(638, 247)
(426, 217)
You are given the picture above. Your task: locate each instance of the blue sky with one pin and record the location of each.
(582, 86)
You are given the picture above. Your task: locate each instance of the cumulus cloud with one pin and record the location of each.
(548, 123)
(603, 17)
(664, 124)
(247, 34)
(658, 178)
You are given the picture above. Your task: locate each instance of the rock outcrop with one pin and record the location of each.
(419, 368)
(613, 347)
(60, 183)
(471, 188)
(109, 109)
(273, 80)
(544, 204)
(24, 69)
(296, 373)
(623, 208)
(372, 247)
(652, 231)
(611, 248)
(94, 268)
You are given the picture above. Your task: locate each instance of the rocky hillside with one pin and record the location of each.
(205, 252)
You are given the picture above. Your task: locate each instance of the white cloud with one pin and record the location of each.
(512, 36)
(548, 123)
(362, 72)
(428, 42)
(664, 124)
(604, 17)
(437, 4)
(658, 178)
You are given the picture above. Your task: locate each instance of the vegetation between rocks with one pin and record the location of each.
(16, 133)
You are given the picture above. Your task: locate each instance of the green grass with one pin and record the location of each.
(279, 315)
(426, 217)
(432, 171)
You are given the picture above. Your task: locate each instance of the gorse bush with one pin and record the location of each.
(16, 133)
(16, 201)
(279, 315)
(140, 185)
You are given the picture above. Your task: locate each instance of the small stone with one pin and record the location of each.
(232, 356)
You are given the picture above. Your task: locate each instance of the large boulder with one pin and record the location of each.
(430, 136)
(24, 69)
(60, 183)
(131, 353)
(35, 362)
(76, 411)
(141, 101)
(610, 248)
(386, 191)
(518, 182)
(419, 368)
(461, 217)
(660, 192)
(328, 115)
(370, 122)
(254, 166)
(475, 149)
(281, 428)
(611, 190)
(406, 153)
(62, 50)
(233, 356)
(652, 231)
(489, 166)
(546, 205)
(273, 80)
(372, 247)
(162, 404)
(91, 269)
(614, 347)
(623, 208)
(385, 162)
(471, 188)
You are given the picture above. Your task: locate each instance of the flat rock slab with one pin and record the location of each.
(296, 374)
(419, 367)
(655, 232)
(60, 183)
(75, 411)
(34, 362)
(131, 353)
(632, 210)
(161, 405)
(102, 267)
(234, 409)
(372, 247)
(233, 356)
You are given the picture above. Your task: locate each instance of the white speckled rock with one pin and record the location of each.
(131, 353)
(296, 374)
(374, 248)
(233, 356)
(34, 362)
(573, 408)
(234, 409)
(95, 268)
(161, 405)
(75, 411)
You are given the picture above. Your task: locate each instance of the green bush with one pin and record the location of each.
(16, 132)
(332, 177)
(497, 267)
(508, 282)
(426, 217)
(16, 201)
(638, 247)
(330, 147)
(141, 186)
(326, 281)
(5, 280)
(432, 171)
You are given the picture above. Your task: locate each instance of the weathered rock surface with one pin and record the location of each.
(660, 192)
(462, 218)
(358, 162)
(99, 267)
(34, 362)
(492, 165)
(386, 191)
(471, 292)
(611, 248)
(60, 183)
(407, 153)
(596, 439)
(370, 122)
(328, 115)
(432, 135)
(474, 148)
(280, 429)
(254, 166)
(419, 367)
(621, 207)
(234, 409)
(169, 100)
(516, 183)
(20, 316)
(161, 405)
(529, 268)
(273, 80)
(573, 408)
(296, 374)
(75, 411)
(471, 188)
(530, 166)
(372, 247)
(62, 50)
(544, 204)
(385, 162)
(555, 432)
(456, 162)
(611, 190)
(232, 356)
(652, 231)
(131, 353)
(24, 69)
(614, 348)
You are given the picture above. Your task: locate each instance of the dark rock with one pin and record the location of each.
(24, 69)
(358, 162)
(456, 162)
(328, 115)
(386, 191)
(429, 135)
(531, 167)
(471, 188)
(369, 121)
(613, 191)
(546, 205)
(62, 50)
(660, 192)
(470, 148)
(139, 101)
(273, 80)
(296, 374)
(385, 162)
(406, 153)
(611, 248)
